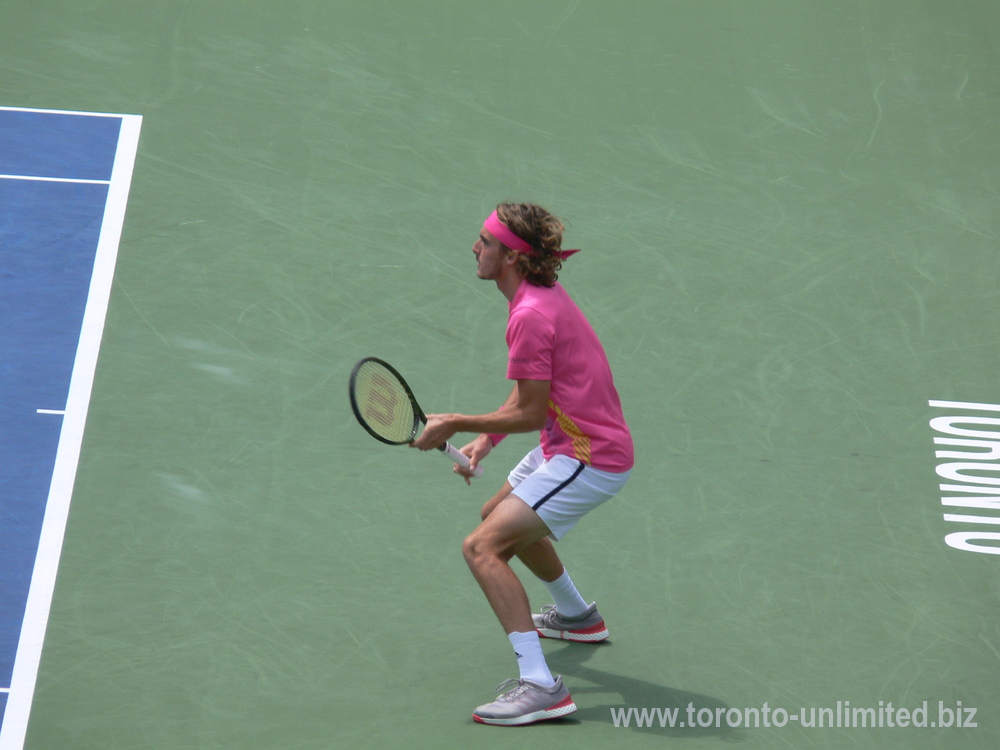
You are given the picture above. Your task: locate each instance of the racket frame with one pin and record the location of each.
(418, 415)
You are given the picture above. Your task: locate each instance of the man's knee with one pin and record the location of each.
(470, 548)
(481, 546)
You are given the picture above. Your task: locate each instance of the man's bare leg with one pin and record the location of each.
(539, 557)
(509, 528)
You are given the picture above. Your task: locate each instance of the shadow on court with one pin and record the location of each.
(570, 661)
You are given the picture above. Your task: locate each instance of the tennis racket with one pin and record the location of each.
(386, 407)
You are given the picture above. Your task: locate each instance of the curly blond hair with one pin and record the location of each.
(543, 232)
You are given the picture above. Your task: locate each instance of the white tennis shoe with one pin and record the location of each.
(587, 628)
(526, 703)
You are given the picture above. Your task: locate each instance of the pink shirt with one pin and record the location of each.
(550, 339)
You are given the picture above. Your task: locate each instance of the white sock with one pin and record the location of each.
(567, 599)
(530, 659)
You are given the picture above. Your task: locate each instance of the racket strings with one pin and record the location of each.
(383, 403)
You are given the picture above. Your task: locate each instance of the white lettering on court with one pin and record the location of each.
(968, 452)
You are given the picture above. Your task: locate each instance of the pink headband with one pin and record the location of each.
(503, 233)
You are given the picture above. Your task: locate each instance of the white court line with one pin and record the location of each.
(32, 178)
(63, 112)
(43, 578)
(50, 411)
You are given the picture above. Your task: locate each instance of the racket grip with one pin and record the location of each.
(459, 458)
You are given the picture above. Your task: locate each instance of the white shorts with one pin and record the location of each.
(562, 490)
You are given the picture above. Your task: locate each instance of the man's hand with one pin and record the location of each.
(477, 450)
(436, 433)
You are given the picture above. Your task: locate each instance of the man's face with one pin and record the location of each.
(491, 256)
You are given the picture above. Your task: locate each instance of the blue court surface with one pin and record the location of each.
(58, 236)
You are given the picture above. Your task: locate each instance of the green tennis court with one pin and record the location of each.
(788, 212)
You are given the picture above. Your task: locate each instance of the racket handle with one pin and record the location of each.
(459, 458)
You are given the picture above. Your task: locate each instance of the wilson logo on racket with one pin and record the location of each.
(381, 405)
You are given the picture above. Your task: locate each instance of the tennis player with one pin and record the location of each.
(563, 388)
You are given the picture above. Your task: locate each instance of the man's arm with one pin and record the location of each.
(525, 410)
